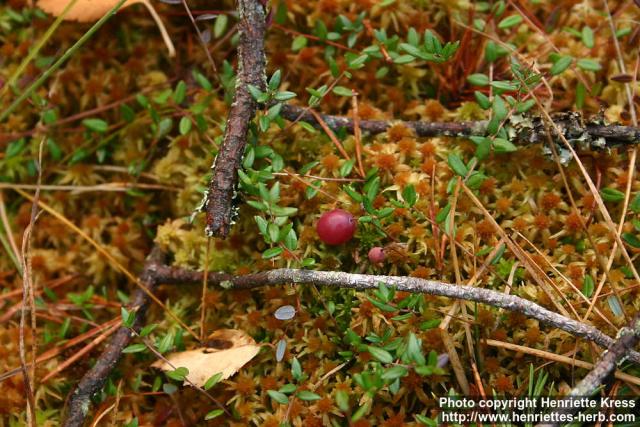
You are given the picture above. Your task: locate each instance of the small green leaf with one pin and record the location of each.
(96, 125)
(589, 64)
(298, 43)
(342, 400)
(135, 348)
(185, 125)
(272, 252)
(631, 239)
(457, 165)
(510, 21)
(409, 195)
(307, 395)
(216, 412)
(395, 372)
(342, 91)
(288, 388)
(178, 374)
(611, 195)
(588, 286)
(347, 167)
(213, 380)
(296, 369)
(284, 96)
(180, 92)
(501, 145)
(634, 206)
(482, 100)
(560, 65)
(478, 79)
(281, 398)
(220, 25)
(381, 354)
(128, 317)
(587, 37)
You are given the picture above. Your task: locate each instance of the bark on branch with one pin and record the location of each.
(155, 273)
(251, 63)
(522, 130)
(360, 282)
(628, 338)
(93, 381)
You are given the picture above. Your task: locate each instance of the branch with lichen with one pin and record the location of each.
(522, 130)
(156, 273)
(251, 64)
(362, 282)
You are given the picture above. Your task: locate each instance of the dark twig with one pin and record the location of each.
(523, 130)
(251, 64)
(628, 337)
(92, 381)
(170, 275)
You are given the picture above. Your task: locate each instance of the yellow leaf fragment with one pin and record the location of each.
(226, 351)
(82, 10)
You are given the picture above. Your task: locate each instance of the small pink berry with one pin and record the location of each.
(376, 255)
(336, 227)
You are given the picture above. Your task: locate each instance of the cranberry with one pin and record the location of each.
(376, 255)
(336, 227)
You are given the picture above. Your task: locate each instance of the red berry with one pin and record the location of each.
(376, 255)
(336, 227)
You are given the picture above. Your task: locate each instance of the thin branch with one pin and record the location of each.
(94, 379)
(628, 337)
(528, 130)
(251, 65)
(170, 275)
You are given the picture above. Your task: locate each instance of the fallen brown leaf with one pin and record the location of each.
(82, 10)
(226, 351)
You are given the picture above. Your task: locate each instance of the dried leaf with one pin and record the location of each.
(226, 351)
(83, 10)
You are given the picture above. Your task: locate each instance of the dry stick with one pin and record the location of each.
(571, 125)
(94, 379)
(28, 297)
(336, 279)
(628, 337)
(251, 64)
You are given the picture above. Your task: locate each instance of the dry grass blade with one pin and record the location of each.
(357, 134)
(332, 136)
(114, 262)
(559, 358)
(79, 354)
(531, 267)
